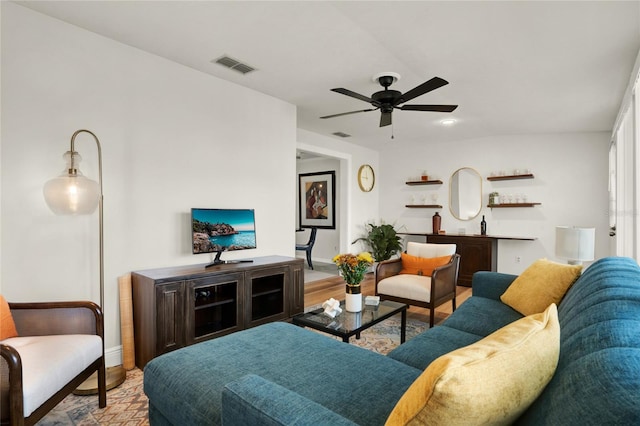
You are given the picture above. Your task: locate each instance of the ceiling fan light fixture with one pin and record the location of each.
(394, 75)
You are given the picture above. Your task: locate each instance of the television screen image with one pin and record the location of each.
(218, 230)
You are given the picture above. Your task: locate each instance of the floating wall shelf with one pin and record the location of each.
(511, 177)
(424, 206)
(424, 182)
(496, 206)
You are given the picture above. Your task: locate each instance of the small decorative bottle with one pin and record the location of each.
(483, 226)
(436, 223)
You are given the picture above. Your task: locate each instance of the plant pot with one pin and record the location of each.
(353, 299)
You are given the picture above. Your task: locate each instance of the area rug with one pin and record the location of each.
(127, 404)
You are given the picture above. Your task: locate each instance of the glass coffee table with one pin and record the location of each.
(348, 324)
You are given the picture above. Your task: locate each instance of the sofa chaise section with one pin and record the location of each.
(185, 386)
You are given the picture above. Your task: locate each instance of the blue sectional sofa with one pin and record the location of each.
(282, 374)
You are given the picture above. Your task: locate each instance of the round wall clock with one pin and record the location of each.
(366, 178)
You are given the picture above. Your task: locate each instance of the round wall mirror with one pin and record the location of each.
(465, 193)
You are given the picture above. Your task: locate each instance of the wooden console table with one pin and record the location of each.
(477, 252)
(179, 306)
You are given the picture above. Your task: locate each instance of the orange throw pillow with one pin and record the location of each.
(7, 326)
(415, 265)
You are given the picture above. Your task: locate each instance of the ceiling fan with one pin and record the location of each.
(387, 100)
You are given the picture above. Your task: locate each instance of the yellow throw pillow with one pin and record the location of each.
(7, 326)
(542, 283)
(415, 265)
(492, 381)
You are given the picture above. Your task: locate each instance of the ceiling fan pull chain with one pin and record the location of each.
(392, 131)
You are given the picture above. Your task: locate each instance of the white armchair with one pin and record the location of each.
(427, 290)
(59, 345)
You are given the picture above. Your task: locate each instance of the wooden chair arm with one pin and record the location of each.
(445, 278)
(388, 268)
(50, 318)
(11, 369)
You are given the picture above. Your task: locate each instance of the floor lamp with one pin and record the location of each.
(71, 193)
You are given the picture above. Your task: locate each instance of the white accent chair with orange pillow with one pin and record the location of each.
(48, 350)
(425, 275)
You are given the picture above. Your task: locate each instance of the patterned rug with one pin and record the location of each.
(127, 404)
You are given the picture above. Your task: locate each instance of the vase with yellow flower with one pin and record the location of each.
(352, 268)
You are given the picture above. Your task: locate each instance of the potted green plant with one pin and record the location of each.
(382, 240)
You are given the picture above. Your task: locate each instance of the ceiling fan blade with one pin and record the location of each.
(347, 113)
(437, 108)
(425, 87)
(385, 119)
(355, 95)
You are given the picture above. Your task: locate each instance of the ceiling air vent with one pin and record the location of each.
(341, 134)
(234, 64)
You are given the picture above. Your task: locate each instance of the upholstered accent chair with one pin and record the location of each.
(309, 246)
(57, 347)
(425, 276)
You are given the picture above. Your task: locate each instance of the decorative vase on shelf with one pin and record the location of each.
(436, 223)
(353, 298)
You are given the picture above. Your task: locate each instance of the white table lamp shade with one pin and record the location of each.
(575, 244)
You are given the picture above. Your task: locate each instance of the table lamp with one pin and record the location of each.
(575, 244)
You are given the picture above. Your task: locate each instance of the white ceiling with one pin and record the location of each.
(513, 67)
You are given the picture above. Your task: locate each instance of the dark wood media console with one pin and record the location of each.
(178, 306)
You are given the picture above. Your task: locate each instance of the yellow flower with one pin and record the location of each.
(365, 256)
(353, 267)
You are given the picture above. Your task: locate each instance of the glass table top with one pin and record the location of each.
(349, 322)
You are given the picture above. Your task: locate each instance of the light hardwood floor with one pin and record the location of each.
(318, 291)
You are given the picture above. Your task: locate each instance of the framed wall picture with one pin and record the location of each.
(317, 205)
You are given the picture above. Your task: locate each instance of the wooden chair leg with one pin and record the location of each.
(432, 315)
(453, 302)
(102, 385)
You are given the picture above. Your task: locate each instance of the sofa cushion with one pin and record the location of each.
(7, 326)
(252, 400)
(422, 265)
(542, 283)
(493, 380)
(425, 348)
(597, 379)
(50, 362)
(481, 316)
(186, 385)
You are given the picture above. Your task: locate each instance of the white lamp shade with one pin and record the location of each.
(70, 194)
(575, 243)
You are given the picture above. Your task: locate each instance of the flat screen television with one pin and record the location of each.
(219, 230)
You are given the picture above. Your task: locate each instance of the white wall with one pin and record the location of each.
(172, 138)
(357, 207)
(571, 182)
(327, 240)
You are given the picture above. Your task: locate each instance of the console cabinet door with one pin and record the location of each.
(296, 293)
(170, 316)
(267, 295)
(214, 306)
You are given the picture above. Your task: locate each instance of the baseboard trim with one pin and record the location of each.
(113, 356)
